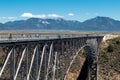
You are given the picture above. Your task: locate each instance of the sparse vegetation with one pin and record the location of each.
(104, 56)
(84, 53)
(118, 42)
(110, 48)
(109, 60)
(113, 64)
(1, 63)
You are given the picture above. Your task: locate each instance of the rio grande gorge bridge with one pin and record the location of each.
(45, 55)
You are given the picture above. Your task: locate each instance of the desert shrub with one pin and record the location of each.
(113, 64)
(118, 42)
(110, 48)
(84, 53)
(1, 63)
(104, 56)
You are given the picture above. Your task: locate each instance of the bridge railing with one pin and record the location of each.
(22, 37)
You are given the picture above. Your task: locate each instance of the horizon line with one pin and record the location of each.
(59, 18)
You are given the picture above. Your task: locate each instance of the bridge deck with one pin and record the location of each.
(19, 36)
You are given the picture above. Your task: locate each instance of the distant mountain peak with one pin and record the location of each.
(101, 17)
(98, 23)
(104, 18)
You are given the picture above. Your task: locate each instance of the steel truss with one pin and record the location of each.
(42, 59)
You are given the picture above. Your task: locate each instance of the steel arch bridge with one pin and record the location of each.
(37, 58)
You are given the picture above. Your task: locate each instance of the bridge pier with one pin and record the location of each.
(12, 65)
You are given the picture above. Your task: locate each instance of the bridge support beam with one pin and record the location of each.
(44, 59)
(92, 56)
(12, 65)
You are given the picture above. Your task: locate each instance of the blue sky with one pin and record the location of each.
(68, 9)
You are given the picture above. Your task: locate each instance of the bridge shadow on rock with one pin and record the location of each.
(84, 71)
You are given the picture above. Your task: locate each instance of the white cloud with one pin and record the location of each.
(40, 16)
(54, 15)
(70, 14)
(29, 15)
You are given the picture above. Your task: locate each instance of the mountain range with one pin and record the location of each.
(95, 24)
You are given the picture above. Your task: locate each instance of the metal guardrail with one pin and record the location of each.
(26, 37)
